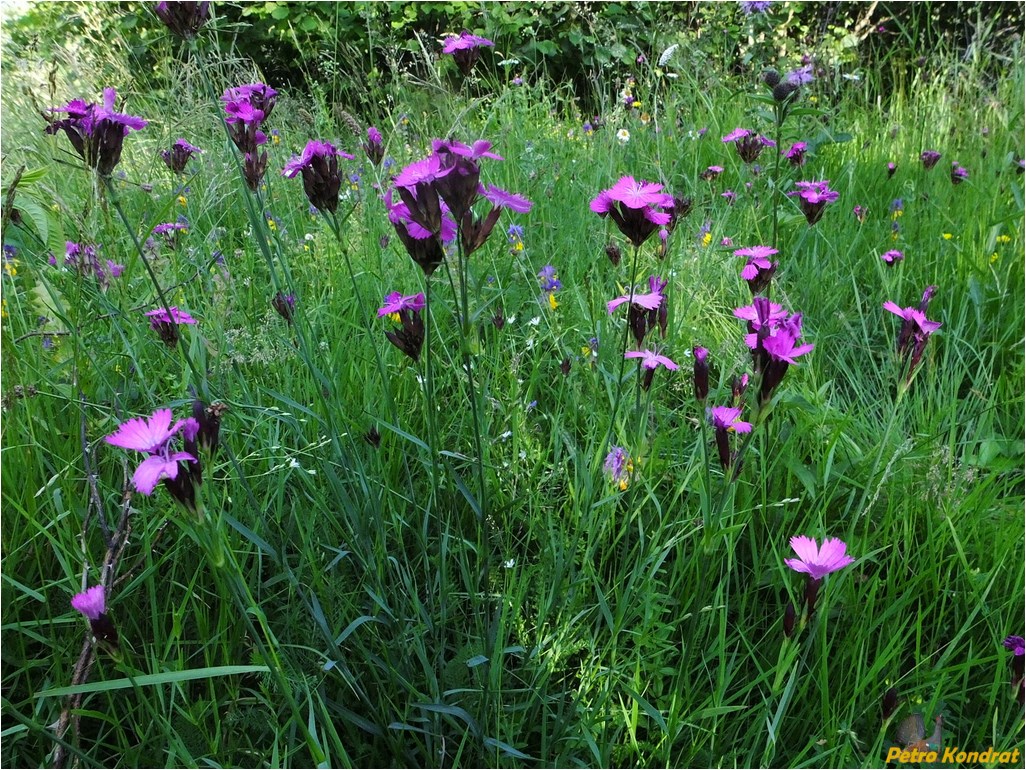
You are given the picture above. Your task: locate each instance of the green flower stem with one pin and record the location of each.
(165, 303)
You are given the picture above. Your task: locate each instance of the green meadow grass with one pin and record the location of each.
(341, 604)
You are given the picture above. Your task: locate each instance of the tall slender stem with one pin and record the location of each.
(623, 361)
(200, 379)
(779, 113)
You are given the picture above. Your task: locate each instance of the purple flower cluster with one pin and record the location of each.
(85, 259)
(958, 174)
(813, 197)
(748, 144)
(96, 131)
(772, 337)
(436, 197)
(248, 106)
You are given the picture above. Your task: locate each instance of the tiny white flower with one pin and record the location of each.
(509, 563)
(308, 237)
(623, 136)
(294, 463)
(534, 321)
(506, 435)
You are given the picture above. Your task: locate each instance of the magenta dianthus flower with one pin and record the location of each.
(916, 329)
(154, 436)
(929, 158)
(796, 154)
(179, 155)
(465, 49)
(892, 257)
(818, 561)
(319, 166)
(748, 144)
(758, 269)
(813, 197)
(92, 603)
(636, 206)
(726, 420)
(166, 323)
(397, 302)
(96, 131)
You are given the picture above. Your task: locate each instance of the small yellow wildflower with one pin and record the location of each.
(813, 99)
(11, 267)
(272, 225)
(3, 308)
(182, 200)
(395, 317)
(707, 239)
(1004, 239)
(56, 207)
(275, 139)
(993, 258)
(947, 236)
(552, 301)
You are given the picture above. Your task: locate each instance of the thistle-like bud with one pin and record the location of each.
(783, 91)
(701, 375)
(771, 78)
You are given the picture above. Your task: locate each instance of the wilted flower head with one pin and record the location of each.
(465, 49)
(860, 213)
(183, 18)
(85, 259)
(748, 144)
(635, 206)
(247, 107)
(710, 173)
(929, 158)
(179, 154)
(96, 131)
(818, 561)
(958, 174)
(701, 373)
(813, 197)
(319, 166)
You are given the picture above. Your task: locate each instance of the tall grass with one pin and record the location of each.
(610, 627)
